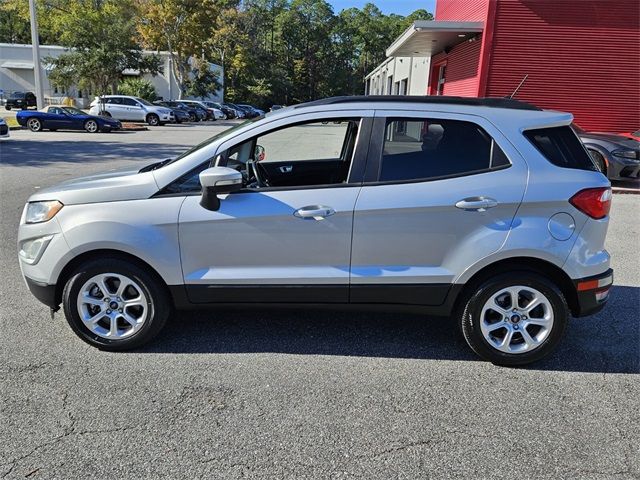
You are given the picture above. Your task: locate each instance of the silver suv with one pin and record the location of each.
(134, 109)
(487, 210)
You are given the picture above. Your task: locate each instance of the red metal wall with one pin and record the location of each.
(463, 62)
(462, 10)
(582, 57)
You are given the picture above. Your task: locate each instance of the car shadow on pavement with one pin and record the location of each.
(28, 153)
(608, 342)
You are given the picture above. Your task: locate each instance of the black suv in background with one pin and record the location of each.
(21, 100)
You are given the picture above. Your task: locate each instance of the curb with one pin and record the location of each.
(132, 127)
(626, 191)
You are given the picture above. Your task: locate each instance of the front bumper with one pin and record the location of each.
(43, 292)
(592, 293)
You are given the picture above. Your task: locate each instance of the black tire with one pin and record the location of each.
(476, 299)
(159, 307)
(153, 119)
(7, 107)
(91, 126)
(599, 159)
(34, 124)
(193, 117)
(106, 130)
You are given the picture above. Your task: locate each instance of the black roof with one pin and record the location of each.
(429, 99)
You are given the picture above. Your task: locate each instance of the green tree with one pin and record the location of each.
(203, 80)
(183, 28)
(138, 87)
(101, 43)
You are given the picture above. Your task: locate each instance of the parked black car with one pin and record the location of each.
(21, 100)
(239, 113)
(228, 111)
(618, 157)
(250, 111)
(195, 114)
(179, 113)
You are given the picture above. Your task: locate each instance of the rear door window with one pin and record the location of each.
(561, 147)
(423, 149)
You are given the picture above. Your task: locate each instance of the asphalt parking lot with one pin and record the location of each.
(300, 393)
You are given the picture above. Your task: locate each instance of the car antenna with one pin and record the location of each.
(519, 86)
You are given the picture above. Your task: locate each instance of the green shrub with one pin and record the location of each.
(138, 87)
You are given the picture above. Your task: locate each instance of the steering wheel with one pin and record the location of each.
(255, 177)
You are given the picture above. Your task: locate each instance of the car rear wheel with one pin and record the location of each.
(153, 120)
(91, 126)
(115, 305)
(7, 107)
(515, 318)
(193, 117)
(34, 124)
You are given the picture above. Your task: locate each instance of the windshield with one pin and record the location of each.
(73, 111)
(144, 102)
(213, 139)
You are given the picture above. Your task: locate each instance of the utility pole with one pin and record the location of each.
(36, 54)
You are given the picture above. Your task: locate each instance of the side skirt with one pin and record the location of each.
(436, 299)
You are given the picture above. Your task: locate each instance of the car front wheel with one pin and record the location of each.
(153, 119)
(115, 305)
(515, 318)
(91, 126)
(599, 159)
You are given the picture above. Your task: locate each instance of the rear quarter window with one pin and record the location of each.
(561, 147)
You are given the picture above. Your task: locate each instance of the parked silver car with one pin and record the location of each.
(487, 210)
(133, 109)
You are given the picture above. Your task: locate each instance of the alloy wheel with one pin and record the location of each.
(112, 306)
(516, 319)
(34, 125)
(91, 126)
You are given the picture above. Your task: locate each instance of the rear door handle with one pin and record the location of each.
(477, 204)
(317, 212)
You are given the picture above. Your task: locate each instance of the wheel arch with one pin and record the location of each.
(532, 264)
(75, 262)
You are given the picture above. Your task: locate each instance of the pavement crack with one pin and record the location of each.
(400, 448)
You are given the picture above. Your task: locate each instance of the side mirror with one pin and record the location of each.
(259, 154)
(216, 181)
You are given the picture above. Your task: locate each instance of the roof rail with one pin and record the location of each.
(495, 102)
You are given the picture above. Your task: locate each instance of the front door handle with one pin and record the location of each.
(476, 204)
(317, 212)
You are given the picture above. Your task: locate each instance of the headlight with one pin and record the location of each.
(38, 212)
(630, 154)
(165, 112)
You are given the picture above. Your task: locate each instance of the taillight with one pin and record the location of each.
(595, 202)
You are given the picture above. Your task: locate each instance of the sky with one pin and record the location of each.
(401, 7)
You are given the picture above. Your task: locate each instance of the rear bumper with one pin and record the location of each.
(592, 293)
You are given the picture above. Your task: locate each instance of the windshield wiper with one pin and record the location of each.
(154, 166)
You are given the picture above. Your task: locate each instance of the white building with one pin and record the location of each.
(398, 76)
(16, 74)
